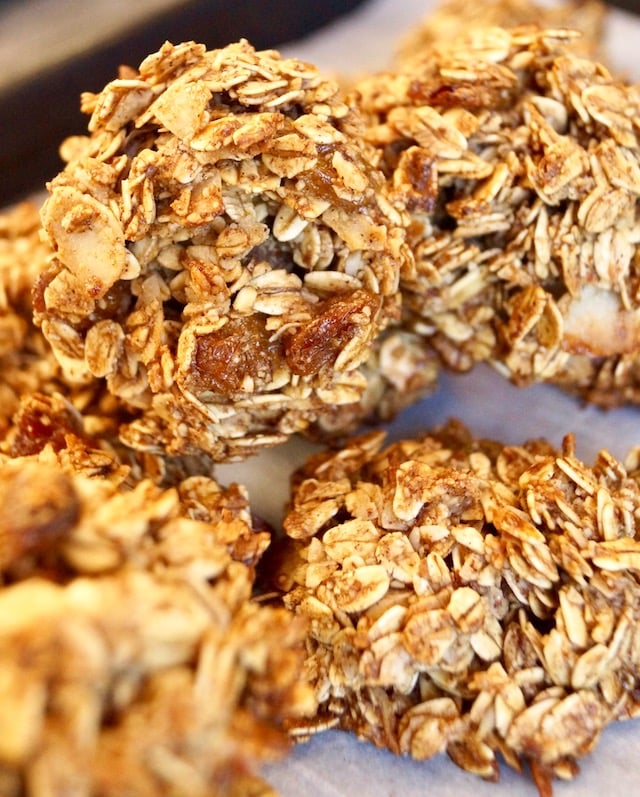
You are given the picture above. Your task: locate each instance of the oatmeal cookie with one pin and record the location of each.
(519, 163)
(468, 597)
(225, 254)
(133, 656)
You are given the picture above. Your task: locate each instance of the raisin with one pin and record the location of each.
(241, 349)
(336, 321)
(44, 509)
(422, 173)
(115, 303)
(35, 427)
(40, 285)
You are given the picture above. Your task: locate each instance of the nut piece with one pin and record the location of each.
(467, 597)
(226, 257)
(519, 163)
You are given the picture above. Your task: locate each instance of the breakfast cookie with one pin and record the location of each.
(467, 597)
(519, 163)
(225, 254)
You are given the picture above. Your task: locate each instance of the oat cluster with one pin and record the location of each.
(468, 597)
(519, 163)
(37, 400)
(225, 256)
(132, 655)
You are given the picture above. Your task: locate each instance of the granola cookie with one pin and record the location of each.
(519, 162)
(467, 597)
(133, 657)
(225, 254)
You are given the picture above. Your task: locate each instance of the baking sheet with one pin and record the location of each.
(333, 763)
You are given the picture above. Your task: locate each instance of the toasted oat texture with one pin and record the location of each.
(27, 365)
(519, 163)
(225, 253)
(86, 441)
(121, 529)
(37, 403)
(52, 422)
(401, 369)
(468, 597)
(451, 17)
(26, 362)
(133, 659)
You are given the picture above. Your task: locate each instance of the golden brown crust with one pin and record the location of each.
(467, 597)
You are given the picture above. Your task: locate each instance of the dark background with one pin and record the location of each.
(39, 112)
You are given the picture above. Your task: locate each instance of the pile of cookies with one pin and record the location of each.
(241, 250)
